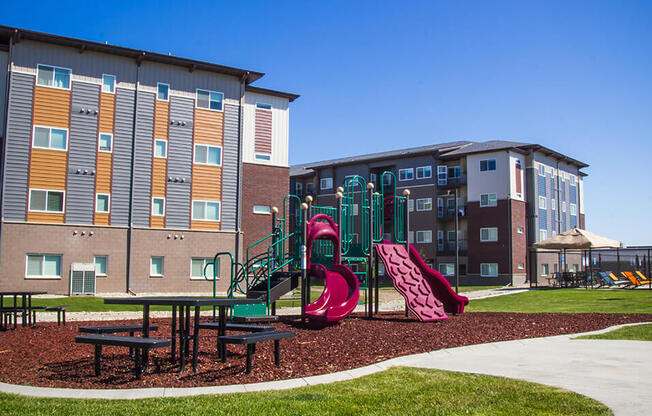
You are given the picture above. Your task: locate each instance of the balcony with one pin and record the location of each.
(447, 248)
(452, 182)
(449, 214)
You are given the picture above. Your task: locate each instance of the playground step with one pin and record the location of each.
(280, 283)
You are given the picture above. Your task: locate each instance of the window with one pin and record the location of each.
(542, 170)
(487, 165)
(50, 138)
(53, 76)
(211, 100)
(161, 148)
(489, 200)
(105, 142)
(410, 205)
(543, 234)
(197, 266)
(43, 200)
(264, 106)
(381, 269)
(521, 266)
(563, 206)
(442, 175)
(553, 204)
(350, 180)
(572, 180)
(454, 172)
(451, 236)
(447, 269)
(298, 188)
(102, 203)
(405, 174)
(488, 269)
(544, 269)
(262, 209)
(309, 187)
(519, 230)
(261, 156)
(162, 91)
(440, 240)
(208, 155)
(101, 265)
(158, 206)
(354, 209)
(424, 172)
(373, 178)
(424, 204)
(424, 236)
(489, 234)
(573, 209)
(326, 183)
(43, 266)
(156, 266)
(387, 179)
(108, 83)
(542, 202)
(206, 210)
(411, 237)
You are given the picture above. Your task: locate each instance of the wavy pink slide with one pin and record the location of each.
(341, 286)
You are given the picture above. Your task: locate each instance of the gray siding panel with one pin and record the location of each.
(177, 212)
(18, 144)
(143, 158)
(122, 141)
(80, 195)
(3, 89)
(230, 167)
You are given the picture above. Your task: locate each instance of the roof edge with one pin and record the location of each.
(290, 96)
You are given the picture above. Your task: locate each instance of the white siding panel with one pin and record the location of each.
(513, 157)
(280, 129)
(489, 181)
(3, 89)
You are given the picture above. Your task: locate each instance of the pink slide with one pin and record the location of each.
(341, 286)
(421, 286)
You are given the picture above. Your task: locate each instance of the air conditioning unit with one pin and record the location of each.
(82, 279)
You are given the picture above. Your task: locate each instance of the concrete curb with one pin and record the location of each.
(160, 392)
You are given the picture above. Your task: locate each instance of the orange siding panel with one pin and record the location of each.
(44, 217)
(161, 112)
(204, 225)
(101, 218)
(107, 111)
(51, 107)
(103, 172)
(207, 182)
(209, 127)
(48, 169)
(159, 178)
(157, 222)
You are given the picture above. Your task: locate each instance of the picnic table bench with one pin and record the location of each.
(250, 340)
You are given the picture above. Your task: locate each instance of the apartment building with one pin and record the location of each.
(142, 164)
(509, 195)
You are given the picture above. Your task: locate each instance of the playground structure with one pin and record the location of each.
(341, 246)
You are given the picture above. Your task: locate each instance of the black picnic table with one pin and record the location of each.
(26, 306)
(183, 304)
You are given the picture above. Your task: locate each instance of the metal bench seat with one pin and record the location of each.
(236, 327)
(250, 341)
(114, 329)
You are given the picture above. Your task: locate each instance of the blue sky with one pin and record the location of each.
(373, 76)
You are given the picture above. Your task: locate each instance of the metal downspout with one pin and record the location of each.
(10, 62)
(238, 193)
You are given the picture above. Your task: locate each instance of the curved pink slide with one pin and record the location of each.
(341, 286)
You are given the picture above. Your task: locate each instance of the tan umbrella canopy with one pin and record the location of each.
(578, 239)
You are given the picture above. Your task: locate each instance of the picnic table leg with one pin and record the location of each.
(182, 334)
(24, 308)
(15, 310)
(29, 311)
(195, 340)
(187, 337)
(138, 363)
(250, 352)
(98, 357)
(222, 331)
(277, 352)
(173, 344)
(145, 354)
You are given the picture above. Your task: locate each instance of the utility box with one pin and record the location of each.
(82, 279)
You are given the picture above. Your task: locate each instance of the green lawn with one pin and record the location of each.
(633, 333)
(568, 301)
(397, 391)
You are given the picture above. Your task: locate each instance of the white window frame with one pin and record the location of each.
(108, 203)
(152, 209)
(298, 188)
(405, 171)
(553, 204)
(424, 201)
(114, 83)
(411, 237)
(209, 100)
(31, 276)
(423, 168)
(450, 233)
(354, 184)
(50, 137)
(440, 240)
(99, 149)
(488, 231)
(563, 206)
(263, 156)
(310, 188)
(154, 149)
(489, 199)
(488, 274)
(572, 180)
(151, 258)
(327, 181)
(519, 230)
(423, 234)
(488, 170)
(355, 210)
(263, 106)
(373, 178)
(447, 265)
(543, 234)
(572, 209)
(47, 191)
(206, 201)
(205, 260)
(542, 170)
(261, 210)
(456, 169)
(410, 205)
(54, 69)
(442, 175)
(158, 85)
(545, 269)
(207, 146)
(106, 257)
(387, 179)
(542, 202)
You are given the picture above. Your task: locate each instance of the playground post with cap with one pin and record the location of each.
(304, 260)
(370, 255)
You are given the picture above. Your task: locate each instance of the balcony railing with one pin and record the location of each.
(447, 248)
(452, 182)
(449, 214)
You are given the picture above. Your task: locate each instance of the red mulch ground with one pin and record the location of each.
(47, 355)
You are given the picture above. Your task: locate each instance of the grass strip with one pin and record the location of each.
(629, 333)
